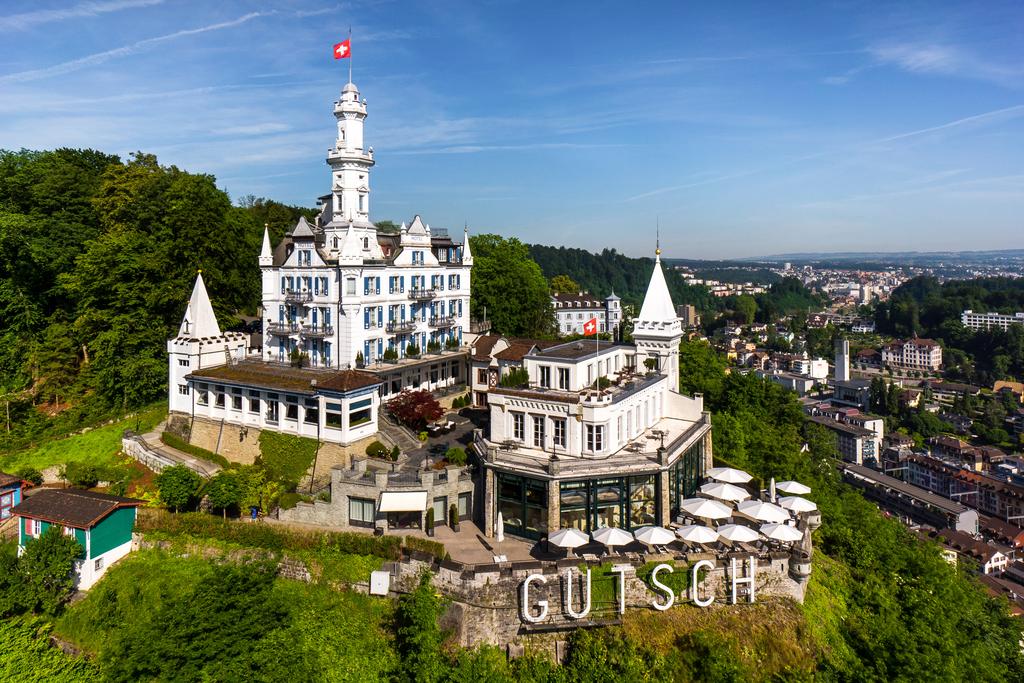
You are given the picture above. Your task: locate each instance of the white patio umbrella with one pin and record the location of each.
(696, 533)
(782, 532)
(761, 511)
(724, 491)
(612, 536)
(568, 539)
(797, 504)
(654, 535)
(729, 475)
(499, 531)
(794, 488)
(737, 533)
(705, 508)
(771, 490)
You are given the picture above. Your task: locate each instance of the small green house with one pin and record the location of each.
(102, 524)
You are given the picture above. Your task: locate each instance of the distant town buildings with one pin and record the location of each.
(688, 314)
(985, 321)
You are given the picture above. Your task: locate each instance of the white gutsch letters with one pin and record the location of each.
(695, 589)
(659, 585)
(749, 580)
(584, 601)
(621, 570)
(525, 602)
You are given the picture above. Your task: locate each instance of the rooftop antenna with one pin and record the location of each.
(657, 236)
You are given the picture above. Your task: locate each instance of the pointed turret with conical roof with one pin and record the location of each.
(657, 331)
(266, 253)
(199, 321)
(199, 344)
(467, 255)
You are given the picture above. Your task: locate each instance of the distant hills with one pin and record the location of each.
(902, 256)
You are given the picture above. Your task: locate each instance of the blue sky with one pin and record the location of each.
(743, 129)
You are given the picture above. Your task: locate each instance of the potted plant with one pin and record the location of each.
(395, 452)
(430, 521)
(452, 343)
(412, 350)
(390, 354)
(360, 361)
(453, 517)
(433, 346)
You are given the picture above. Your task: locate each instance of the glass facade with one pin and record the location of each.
(625, 502)
(523, 504)
(685, 476)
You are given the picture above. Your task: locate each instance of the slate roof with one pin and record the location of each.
(72, 507)
(286, 378)
(483, 345)
(8, 479)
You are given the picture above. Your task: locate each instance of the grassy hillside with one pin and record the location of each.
(97, 446)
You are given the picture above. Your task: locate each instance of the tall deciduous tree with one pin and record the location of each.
(509, 285)
(46, 568)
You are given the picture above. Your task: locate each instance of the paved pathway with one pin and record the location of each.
(153, 443)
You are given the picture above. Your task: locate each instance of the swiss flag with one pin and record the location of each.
(343, 49)
(590, 327)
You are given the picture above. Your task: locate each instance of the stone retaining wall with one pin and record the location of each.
(134, 446)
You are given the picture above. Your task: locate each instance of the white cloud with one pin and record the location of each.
(26, 20)
(946, 60)
(101, 57)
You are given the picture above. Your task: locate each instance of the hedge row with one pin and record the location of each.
(268, 536)
(180, 444)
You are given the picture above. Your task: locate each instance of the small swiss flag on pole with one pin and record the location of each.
(343, 50)
(590, 327)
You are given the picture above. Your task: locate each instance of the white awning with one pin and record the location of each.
(403, 501)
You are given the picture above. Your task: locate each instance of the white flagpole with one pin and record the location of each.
(349, 54)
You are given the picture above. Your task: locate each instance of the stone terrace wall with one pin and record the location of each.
(485, 605)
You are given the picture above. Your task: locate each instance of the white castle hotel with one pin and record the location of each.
(599, 435)
(341, 296)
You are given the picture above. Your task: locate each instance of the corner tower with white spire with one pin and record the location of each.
(199, 344)
(658, 330)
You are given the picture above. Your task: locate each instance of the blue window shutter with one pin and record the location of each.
(366, 318)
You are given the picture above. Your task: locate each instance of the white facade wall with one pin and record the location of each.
(186, 356)
(984, 321)
(272, 410)
(90, 571)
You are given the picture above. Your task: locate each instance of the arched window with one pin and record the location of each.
(366, 243)
(335, 241)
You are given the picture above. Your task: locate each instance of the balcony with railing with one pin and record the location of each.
(422, 294)
(317, 331)
(399, 326)
(283, 329)
(295, 296)
(442, 321)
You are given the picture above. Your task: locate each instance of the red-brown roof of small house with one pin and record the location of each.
(518, 348)
(72, 507)
(483, 345)
(8, 479)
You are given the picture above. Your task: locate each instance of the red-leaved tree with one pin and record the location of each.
(415, 408)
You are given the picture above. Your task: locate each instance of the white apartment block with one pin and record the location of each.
(913, 354)
(985, 321)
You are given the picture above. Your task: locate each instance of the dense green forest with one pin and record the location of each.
(924, 307)
(609, 271)
(97, 259)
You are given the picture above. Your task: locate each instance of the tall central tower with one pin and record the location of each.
(350, 162)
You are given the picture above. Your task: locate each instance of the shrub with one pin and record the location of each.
(423, 436)
(266, 536)
(224, 491)
(80, 474)
(412, 350)
(31, 475)
(456, 456)
(177, 486)
(451, 343)
(433, 346)
(179, 444)
(516, 377)
(395, 452)
(453, 515)
(46, 569)
(289, 500)
(427, 546)
(430, 517)
(415, 408)
(377, 450)
(360, 361)
(390, 353)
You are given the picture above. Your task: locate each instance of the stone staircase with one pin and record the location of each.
(397, 434)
